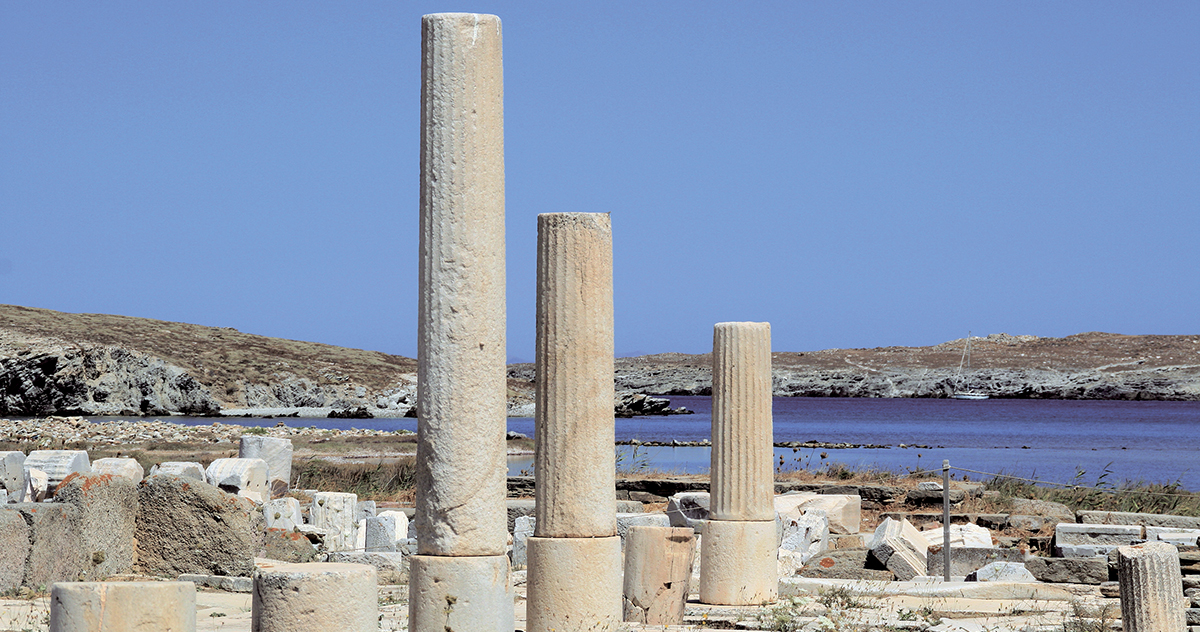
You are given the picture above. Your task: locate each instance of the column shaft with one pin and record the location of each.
(1151, 588)
(742, 482)
(575, 430)
(461, 340)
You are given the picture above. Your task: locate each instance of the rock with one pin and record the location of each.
(124, 467)
(282, 513)
(187, 469)
(379, 535)
(934, 497)
(1045, 508)
(1028, 523)
(244, 477)
(392, 568)
(364, 509)
(1090, 540)
(1063, 570)
(625, 521)
(37, 485)
(277, 453)
(1002, 572)
(805, 533)
(901, 548)
(962, 535)
(188, 526)
(658, 565)
(107, 507)
(227, 584)
(55, 554)
(288, 545)
(847, 564)
(517, 508)
(629, 404)
(14, 549)
(57, 464)
(360, 412)
(688, 509)
(1152, 520)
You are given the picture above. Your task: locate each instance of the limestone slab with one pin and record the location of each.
(689, 509)
(335, 513)
(1002, 572)
(244, 477)
(844, 512)
(562, 596)
(461, 380)
(658, 566)
(738, 563)
(190, 469)
(966, 560)
(460, 593)
(12, 475)
(1145, 519)
(742, 441)
(805, 533)
(123, 467)
(574, 457)
(123, 607)
(315, 597)
(522, 531)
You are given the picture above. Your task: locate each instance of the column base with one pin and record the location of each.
(460, 593)
(739, 563)
(574, 584)
(122, 606)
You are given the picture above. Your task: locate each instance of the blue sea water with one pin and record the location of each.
(1051, 440)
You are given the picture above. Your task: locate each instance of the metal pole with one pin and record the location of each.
(946, 518)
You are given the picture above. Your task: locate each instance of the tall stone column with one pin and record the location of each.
(1151, 588)
(574, 556)
(460, 575)
(739, 550)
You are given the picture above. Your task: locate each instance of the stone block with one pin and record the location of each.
(315, 597)
(739, 563)
(391, 567)
(397, 522)
(188, 526)
(1068, 570)
(364, 509)
(522, 531)
(1043, 508)
(57, 464)
(627, 521)
(1027, 522)
(437, 586)
(14, 549)
(55, 554)
(244, 477)
(805, 532)
(632, 506)
(847, 564)
(335, 513)
(658, 566)
(123, 607)
(933, 496)
(220, 582)
(1093, 534)
(288, 545)
(1144, 519)
(962, 535)
(189, 469)
(689, 509)
(1084, 550)
(901, 548)
(1001, 572)
(12, 475)
(108, 507)
(1174, 535)
(277, 453)
(560, 597)
(283, 513)
(37, 485)
(379, 535)
(123, 467)
(844, 512)
(965, 560)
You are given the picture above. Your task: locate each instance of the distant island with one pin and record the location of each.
(54, 363)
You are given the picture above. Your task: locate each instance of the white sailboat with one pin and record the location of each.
(959, 394)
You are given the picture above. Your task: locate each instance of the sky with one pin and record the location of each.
(858, 174)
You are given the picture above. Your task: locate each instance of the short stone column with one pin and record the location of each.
(123, 607)
(461, 522)
(576, 526)
(739, 550)
(277, 452)
(1151, 588)
(658, 568)
(315, 597)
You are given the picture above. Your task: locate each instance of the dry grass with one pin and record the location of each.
(388, 479)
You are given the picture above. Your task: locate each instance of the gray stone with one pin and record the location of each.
(288, 545)
(627, 521)
(124, 467)
(1044, 508)
(1001, 572)
(517, 507)
(14, 550)
(220, 582)
(1084, 550)
(380, 534)
(1068, 570)
(54, 536)
(12, 475)
(364, 509)
(631, 506)
(187, 526)
(108, 512)
(934, 497)
(189, 469)
(244, 477)
(846, 564)
(1144, 519)
(1028, 523)
(805, 532)
(392, 567)
(522, 531)
(277, 453)
(689, 509)
(966, 560)
(1097, 534)
(283, 513)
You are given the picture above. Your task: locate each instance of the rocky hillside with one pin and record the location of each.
(57, 363)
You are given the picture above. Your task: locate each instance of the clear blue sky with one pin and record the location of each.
(857, 173)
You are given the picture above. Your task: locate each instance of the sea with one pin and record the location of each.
(1105, 443)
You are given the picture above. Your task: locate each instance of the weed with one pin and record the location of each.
(257, 430)
(1091, 617)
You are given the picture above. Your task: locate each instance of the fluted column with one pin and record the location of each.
(742, 442)
(574, 557)
(739, 550)
(1151, 588)
(461, 464)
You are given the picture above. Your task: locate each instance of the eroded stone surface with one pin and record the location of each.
(738, 562)
(188, 526)
(658, 566)
(108, 506)
(123, 467)
(335, 513)
(1151, 599)
(245, 477)
(564, 599)
(57, 464)
(460, 593)
(277, 452)
(123, 607)
(316, 596)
